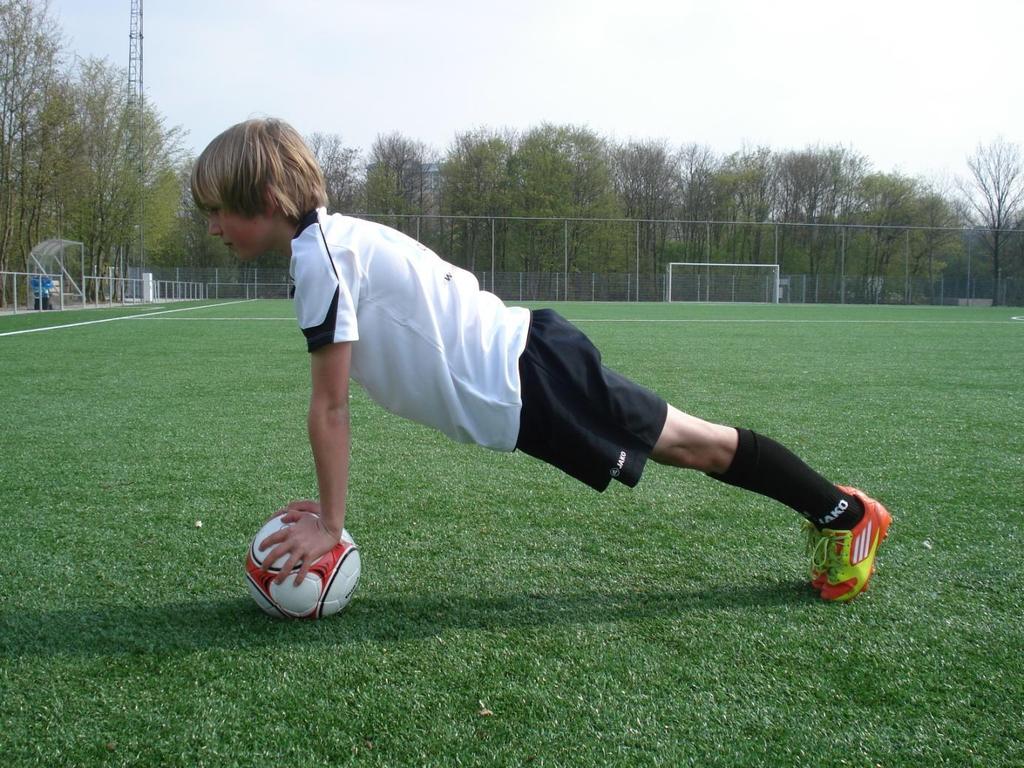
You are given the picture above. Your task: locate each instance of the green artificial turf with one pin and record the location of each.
(506, 614)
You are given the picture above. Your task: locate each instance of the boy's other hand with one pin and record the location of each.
(305, 540)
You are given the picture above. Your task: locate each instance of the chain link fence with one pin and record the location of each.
(626, 260)
(537, 260)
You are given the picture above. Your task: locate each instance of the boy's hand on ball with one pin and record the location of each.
(304, 541)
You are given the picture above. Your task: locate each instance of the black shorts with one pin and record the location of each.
(579, 416)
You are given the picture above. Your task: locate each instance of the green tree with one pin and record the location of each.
(562, 172)
(747, 184)
(939, 242)
(31, 105)
(103, 186)
(475, 182)
(101, 198)
(889, 201)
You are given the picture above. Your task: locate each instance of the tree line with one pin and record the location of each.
(683, 203)
(65, 169)
(543, 199)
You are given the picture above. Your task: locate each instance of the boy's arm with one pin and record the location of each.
(310, 537)
(329, 430)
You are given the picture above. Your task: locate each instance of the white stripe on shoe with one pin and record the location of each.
(862, 545)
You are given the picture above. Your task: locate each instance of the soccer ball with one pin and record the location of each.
(326, 589)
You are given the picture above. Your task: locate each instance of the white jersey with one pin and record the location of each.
(428, 344)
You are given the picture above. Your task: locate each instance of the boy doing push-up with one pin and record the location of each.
(426, 343)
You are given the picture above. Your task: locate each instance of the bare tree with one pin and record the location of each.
(994, 197)
(698, 165)
(819, 186)
(402, 176)
(340, 165)
(646, 175)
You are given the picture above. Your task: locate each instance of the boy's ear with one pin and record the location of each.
(272, 207)
(270, 204)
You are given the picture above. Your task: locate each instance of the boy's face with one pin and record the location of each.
(247, 237)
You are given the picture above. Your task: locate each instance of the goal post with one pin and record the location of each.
(702, 281)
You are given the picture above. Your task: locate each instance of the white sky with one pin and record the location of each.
(915, 85)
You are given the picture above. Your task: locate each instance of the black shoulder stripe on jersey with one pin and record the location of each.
(323, 334)
(306, 221)
(330, 259)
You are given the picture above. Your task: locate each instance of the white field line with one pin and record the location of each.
(162, 315)
(122, 317)
(217, 319)
(677, 321)
(796, 322)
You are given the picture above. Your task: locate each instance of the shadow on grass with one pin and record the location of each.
(238, 624)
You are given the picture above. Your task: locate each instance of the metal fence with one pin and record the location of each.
(41, 291)
(538, 259)
(826, 263)
(513, 287)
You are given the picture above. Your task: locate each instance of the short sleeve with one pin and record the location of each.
(325, 294)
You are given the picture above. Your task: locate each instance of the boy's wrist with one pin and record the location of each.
(330, 523)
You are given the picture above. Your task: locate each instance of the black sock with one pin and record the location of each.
(766, 467)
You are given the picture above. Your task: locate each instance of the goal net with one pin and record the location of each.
(703, 281)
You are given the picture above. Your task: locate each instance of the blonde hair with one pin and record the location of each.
(256, 163)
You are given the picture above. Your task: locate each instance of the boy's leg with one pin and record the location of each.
(692, 443)
(756, 463)
(844, 526)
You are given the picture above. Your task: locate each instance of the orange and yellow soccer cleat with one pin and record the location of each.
(843, 561)
(814, 537)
